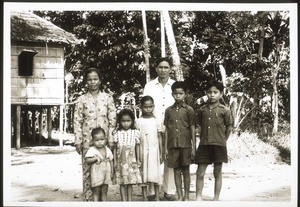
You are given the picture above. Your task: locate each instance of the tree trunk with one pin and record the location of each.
(146, 46)
(172, 44)
(280, 49)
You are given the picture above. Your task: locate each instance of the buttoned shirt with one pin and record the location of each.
(178, 122)
(162, 97)
(213, 123)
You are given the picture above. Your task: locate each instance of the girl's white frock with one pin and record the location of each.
(149, 128)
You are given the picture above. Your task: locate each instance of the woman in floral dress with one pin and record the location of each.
(93, 109)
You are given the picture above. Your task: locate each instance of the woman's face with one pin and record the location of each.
(93, 81)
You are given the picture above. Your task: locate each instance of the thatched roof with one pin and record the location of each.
(26, 26)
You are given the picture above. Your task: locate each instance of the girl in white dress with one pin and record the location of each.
(151, 147)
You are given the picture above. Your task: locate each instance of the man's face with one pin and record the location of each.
(163, 69)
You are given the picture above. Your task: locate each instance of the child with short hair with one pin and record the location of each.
(180, 139)
(100, 157)
(215, 122)
(151, 147)
(127, 154)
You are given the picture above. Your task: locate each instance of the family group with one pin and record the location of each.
(153, 151)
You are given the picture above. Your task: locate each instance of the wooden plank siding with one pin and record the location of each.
(46, 85)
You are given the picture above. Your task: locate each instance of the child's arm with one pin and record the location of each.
(137, 151)
(159, 135)
(193, 132)
(91, 160)
(166, 144)
(228, 131)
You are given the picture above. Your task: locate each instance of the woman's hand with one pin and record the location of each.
(78, 148)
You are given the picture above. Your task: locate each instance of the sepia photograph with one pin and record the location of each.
(131, 104)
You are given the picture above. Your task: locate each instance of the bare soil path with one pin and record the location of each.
(46, 174)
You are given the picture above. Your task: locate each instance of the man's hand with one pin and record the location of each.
(166, 154)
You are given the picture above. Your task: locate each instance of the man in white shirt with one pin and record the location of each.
(160, 90)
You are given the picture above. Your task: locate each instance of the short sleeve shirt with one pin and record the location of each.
(178, 121)
(213, 123)
(162, 97)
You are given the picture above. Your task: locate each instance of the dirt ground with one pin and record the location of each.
(47, 174)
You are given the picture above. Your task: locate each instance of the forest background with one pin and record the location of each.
(248, 51)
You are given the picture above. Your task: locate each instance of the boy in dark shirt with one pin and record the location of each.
(215, 124)
(180, 139)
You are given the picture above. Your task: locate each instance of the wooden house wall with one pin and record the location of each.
(46, 86)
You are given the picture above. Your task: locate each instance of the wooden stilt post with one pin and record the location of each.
(41, 126)
(61, 124)
(18, 127)
(26, 126)
(49, 125)
(33, 126)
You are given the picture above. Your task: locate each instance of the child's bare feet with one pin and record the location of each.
(180, 198)
(199, 198)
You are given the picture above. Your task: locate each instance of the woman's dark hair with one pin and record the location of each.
(90, 70)
(179, 84)
(125, 112)
(215, 83)
(146, 98)
(168, 60)
(97, 130)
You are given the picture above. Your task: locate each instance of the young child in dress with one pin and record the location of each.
(127, 154)
(180, 138)
(100, 157)
(151, 147)
(215, 122)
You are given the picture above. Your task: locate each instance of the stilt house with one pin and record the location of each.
(37, 74)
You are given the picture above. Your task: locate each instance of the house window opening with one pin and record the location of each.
(25, 60)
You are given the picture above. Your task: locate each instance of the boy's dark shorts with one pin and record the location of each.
(211, 154)
(179, 157)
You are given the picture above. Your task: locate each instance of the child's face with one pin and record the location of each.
(147, 108)
(126, 122)
(99, 140)
(214, 95)
(179, 95)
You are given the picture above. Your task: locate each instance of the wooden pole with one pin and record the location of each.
(49, 125)
(61, 124)
(41, 126)
(18, 127)
(172, 44)
(33, 126)
(146, 50)
(162, 36)
(26, 126)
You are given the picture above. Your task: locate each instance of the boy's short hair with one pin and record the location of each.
(179, 84)
(97, 130)
(216, 84)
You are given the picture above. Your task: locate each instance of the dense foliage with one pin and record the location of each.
(249, 45)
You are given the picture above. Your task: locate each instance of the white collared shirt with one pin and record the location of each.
(162, 97)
